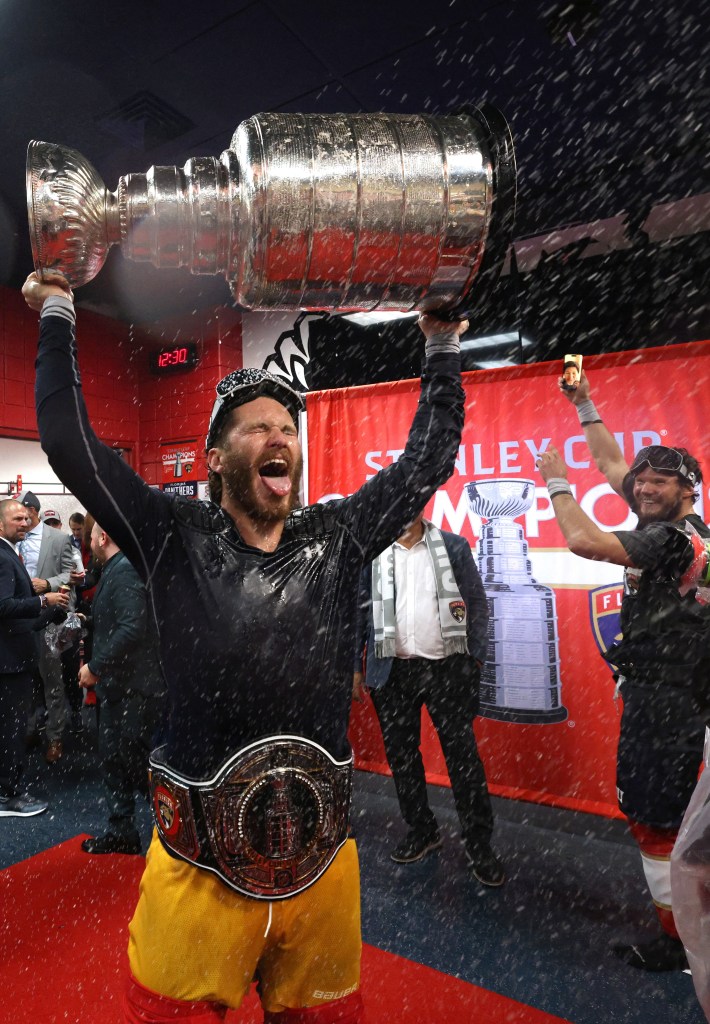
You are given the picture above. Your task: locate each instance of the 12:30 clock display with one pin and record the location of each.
(176, 359)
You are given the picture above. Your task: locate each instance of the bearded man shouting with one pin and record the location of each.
(251, 871)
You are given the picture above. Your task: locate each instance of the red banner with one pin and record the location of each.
(549, 722)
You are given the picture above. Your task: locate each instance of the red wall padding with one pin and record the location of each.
(128, 406)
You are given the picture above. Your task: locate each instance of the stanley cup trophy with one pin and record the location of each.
(521, 677)
(344, 212)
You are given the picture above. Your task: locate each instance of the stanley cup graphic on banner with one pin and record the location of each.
(521, 677)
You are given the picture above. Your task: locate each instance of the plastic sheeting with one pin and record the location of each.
(690, 884)
(61, 637)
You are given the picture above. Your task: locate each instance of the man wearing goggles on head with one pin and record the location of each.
(663, 629)
(251, 872)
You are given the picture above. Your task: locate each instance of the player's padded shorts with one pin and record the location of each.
(194, 939)
(660, 752)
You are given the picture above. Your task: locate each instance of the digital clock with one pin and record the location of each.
(176, 359)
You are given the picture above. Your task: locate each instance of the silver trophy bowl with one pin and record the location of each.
(349, 212)
(507, 498)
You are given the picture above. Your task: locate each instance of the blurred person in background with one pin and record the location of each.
(124, 672)
(47, 555)
(22, 614)
(71, 658)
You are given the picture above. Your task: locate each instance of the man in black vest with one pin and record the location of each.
(663, 630)
(22, 613)
(124, 668)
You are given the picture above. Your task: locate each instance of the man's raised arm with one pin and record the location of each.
(135, 514)
(607, 455)
(582, 535)
(381, 509)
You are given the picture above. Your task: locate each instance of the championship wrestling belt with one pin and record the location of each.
(268, 824)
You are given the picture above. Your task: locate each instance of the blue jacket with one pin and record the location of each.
(469, 583)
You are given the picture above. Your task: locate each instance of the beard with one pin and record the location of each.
(669, 512)
(240, 485)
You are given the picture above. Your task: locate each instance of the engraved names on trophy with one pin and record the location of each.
(521, 676)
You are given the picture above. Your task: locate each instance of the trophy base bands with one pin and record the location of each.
(526, 704)
(522, 716)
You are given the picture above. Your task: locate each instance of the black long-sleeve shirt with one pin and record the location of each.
(253, 643)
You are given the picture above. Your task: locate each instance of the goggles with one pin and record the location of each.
(242, 386)
(662, 460)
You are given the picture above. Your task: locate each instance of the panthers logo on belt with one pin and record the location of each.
(458, 610)
(166, 809)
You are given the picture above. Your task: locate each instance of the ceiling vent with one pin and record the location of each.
(144, 121)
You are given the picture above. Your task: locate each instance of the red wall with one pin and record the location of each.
(128, 407)
(177, 408)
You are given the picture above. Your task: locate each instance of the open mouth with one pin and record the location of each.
(274, 475)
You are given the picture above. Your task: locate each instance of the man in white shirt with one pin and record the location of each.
(47, 557)
(426, 633)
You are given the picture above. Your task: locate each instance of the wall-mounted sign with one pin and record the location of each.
(184, 489)
(178, 460)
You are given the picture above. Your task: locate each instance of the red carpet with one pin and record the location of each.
(63, 933)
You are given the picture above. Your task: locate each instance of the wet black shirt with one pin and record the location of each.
(662, 630)
(252, 643)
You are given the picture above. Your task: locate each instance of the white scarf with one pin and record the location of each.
(452, 609)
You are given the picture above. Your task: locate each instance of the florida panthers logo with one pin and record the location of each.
(458, 610)
(166, 810)
(604, 614)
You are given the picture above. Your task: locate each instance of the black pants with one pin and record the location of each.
(126, 731)
(449, 691)
(660, 752)
(70, 673)
(15, 701)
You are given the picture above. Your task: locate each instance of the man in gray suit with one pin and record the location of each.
(48, 558)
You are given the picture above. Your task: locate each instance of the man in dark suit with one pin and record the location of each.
(125, 671)
(22, 613)
(426, 634)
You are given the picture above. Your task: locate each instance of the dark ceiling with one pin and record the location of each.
(606, 100)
